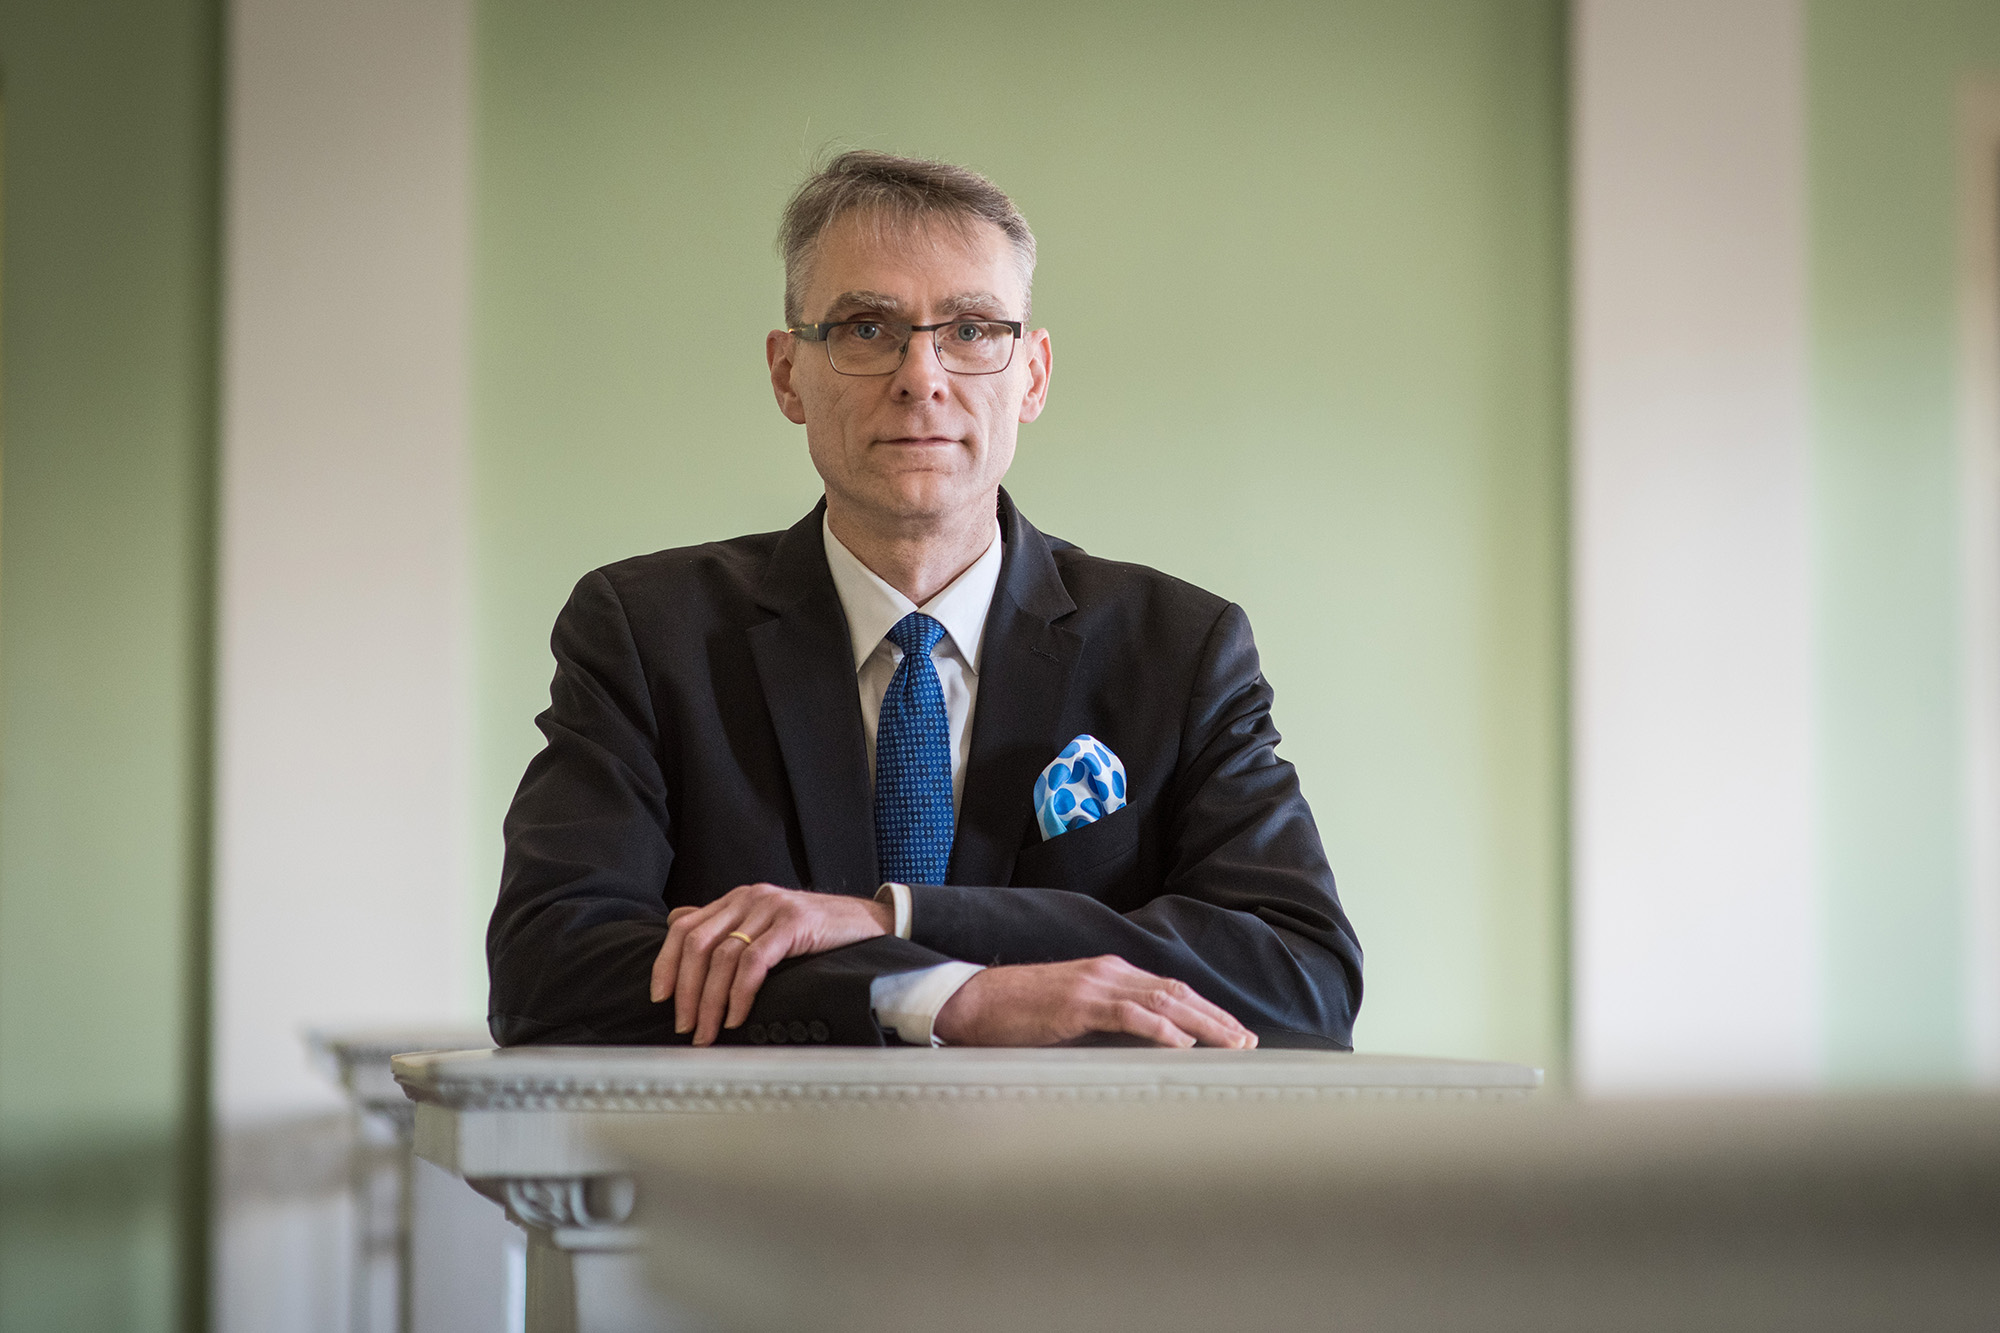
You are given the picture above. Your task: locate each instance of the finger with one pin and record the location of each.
(1132, 1017)
(697, 954)
(1190, 1011)
(667, 963)
(1175, 1000)
(1203, 1027)
(666, 967)
(754, 924)
(715, 988)
(773, 941)
(1209, 1024)
(759, 907)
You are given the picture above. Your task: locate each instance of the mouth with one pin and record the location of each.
(921, 441)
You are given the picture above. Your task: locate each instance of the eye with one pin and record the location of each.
(865, 331)
(968, 333)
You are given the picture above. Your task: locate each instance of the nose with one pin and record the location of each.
(922, 375)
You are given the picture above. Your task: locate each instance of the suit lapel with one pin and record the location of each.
(806, 665)
(1024, 675)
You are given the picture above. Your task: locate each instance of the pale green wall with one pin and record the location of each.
(108, 353)
(1883, 82)
(1304, 271)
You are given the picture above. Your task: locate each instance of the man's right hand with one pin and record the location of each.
(1041, 1004)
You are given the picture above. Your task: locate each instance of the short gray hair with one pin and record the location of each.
(898, 190)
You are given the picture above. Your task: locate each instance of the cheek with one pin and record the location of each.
(825, 436)
(996, 445)
(1000, 415)
(830, 412)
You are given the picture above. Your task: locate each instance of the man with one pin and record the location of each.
(791, 785)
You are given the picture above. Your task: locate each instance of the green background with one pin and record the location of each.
(1303, 269)
(106, 413)
(1883, 82)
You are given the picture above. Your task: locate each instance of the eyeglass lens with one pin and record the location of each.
(968, 347)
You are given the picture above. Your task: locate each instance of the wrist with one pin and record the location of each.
(955, 1017)
(895, 900)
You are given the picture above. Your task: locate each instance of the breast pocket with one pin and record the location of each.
(1084, 859)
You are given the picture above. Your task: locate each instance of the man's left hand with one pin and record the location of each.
(713, 975)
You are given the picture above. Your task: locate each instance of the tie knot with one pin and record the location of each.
(916, 634)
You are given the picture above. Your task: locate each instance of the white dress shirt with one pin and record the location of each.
(908, 1002)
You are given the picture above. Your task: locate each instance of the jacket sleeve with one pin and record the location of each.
(1247, 912)
(589, 845)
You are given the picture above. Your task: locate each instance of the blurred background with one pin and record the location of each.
(1596, 406)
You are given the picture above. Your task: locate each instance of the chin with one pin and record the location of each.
(915, 498)
(922, 495)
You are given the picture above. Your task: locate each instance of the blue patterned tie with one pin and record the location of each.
(913, 762)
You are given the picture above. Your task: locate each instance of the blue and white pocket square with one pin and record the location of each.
(1085, 783)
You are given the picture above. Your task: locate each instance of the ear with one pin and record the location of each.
(1041, 362)
(779, 348)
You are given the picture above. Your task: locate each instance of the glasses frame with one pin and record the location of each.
(819, 333)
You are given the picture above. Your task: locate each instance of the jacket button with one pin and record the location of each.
(817, 1030)
(755, 1031)
(797, 1029)
(777, 1031)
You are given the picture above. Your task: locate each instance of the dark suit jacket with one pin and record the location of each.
(704, 731)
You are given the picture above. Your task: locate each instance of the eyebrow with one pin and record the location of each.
(956, 304)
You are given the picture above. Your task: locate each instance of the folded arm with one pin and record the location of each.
(582, 915)
(1247, 915)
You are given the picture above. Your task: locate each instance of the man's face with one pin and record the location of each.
(920, 448)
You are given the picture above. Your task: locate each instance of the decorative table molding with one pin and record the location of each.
(538, 1128)
(360, 1062)
(686, 1080)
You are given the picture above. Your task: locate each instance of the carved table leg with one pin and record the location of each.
(585, 1266)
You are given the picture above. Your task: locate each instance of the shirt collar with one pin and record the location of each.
(873, 607)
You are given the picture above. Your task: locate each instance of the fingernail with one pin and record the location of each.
(680, 1026)
(656, 994)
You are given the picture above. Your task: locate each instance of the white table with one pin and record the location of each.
(547, 1130)
(1767, 1216)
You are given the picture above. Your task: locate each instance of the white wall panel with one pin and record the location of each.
(1697, 957)
(342, 709)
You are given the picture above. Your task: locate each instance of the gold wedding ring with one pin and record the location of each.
(739, 935)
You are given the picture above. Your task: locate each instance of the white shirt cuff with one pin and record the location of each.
(898, 898)
(907, 1003)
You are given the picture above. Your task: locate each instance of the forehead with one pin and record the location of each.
(916, 260)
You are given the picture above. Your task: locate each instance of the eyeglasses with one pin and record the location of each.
(878, 346)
